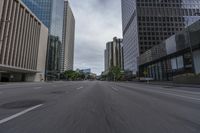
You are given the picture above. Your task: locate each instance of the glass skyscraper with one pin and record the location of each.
(51, 13)
(114, 54)
(148, 23)
(67, 48)
(42, 8)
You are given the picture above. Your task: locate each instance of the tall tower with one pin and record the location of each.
(53, 15)
(38, 7)
(148, 23)
(67, 50)
(113, 54)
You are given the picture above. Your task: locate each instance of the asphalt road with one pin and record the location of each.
(98, 107)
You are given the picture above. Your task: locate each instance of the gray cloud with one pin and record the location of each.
(97, 22)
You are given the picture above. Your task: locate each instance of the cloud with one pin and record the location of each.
(97, 22)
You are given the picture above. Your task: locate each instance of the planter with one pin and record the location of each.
(188, 78)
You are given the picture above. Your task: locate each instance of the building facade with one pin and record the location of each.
(42, 9)
(67, 48)
(177, 55)
(51, 12)
(85, 71)
(106, 66)
(23, 43)
(147, 23)
(114, 54)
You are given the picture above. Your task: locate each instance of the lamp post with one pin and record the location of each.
(196, 14)
(190, 44)
(189, 41)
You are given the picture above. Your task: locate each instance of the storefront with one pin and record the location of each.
(177, 55)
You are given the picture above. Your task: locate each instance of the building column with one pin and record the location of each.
(0, 77)
(196, 58)
(1, 7)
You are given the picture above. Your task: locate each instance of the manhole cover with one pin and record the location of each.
(58, 92)
(21, 104)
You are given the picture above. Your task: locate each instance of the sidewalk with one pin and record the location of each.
(171, 83)
(26, 83)
(18, 83)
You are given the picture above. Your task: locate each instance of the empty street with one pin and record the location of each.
(98, 107)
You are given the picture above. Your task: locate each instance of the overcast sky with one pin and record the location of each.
(97, 22)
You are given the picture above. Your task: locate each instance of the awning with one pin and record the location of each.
(5, 68)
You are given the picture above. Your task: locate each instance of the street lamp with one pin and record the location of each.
(190, 45)
(189, 41)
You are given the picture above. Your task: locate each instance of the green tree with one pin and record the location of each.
(71, 75)
(145, 72)
(116, 73)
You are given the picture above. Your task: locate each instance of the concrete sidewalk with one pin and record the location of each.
(171, 83)
(19, 83)
(27, 83)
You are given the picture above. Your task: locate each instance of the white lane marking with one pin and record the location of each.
(36, 88)
(19, 114)
(169, 94)
(79, 88)
(115, 89)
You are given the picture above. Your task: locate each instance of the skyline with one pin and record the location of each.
(103, 15)
(148, 53)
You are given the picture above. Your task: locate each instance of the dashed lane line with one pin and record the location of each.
(115, 89)
(19, 114)
(79, 88)
(37, 88)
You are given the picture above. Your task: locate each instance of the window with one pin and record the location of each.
(173, 63)
(180, 64)
(177, 63)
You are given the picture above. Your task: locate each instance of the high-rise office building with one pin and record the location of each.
(42, 9)
(53, 15)
(174, 58)
(23, 43)
(106, 59)
(67, 48)
(114, 54)
(147, 23)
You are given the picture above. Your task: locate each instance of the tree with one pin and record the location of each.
(114, 74)
(117, 73)
(71, 75)
(145, 72)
